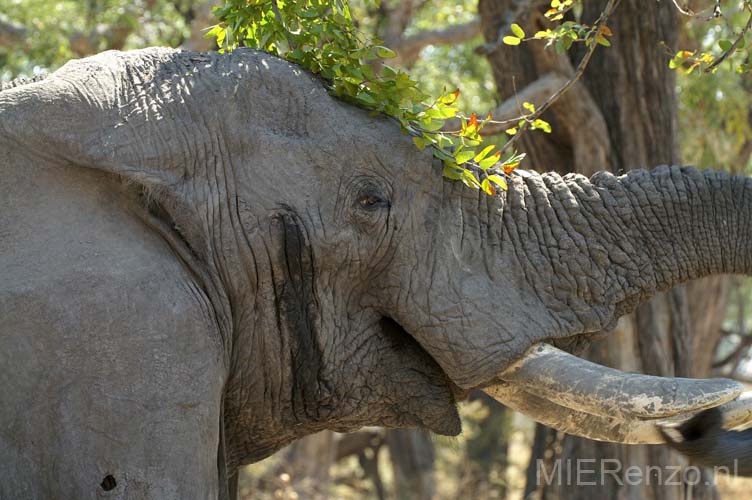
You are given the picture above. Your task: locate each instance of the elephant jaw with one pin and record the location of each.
(589, 400)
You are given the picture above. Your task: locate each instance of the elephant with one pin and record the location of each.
(207, 256)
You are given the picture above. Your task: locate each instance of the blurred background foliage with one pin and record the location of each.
(437, 40)
(714, 108)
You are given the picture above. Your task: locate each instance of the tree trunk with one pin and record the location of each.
(307, 462)
(621, 115)
(365, 444)
(487, 451)
(412, 455)
(203, 19)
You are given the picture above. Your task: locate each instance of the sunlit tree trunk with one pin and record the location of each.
(307, 463)
(621, 115)
(487, 450)
(412, 454)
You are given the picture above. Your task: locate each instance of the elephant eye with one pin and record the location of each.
(372, 201)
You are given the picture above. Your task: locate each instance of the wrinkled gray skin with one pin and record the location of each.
(204, 257)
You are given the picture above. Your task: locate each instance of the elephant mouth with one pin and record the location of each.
(589, 400)
(437, 393)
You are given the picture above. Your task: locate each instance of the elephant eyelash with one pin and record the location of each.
(373, 202)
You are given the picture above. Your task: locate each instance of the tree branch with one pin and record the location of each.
(601, 21)
(744, 345)
(408, 49)
(509, 112)
(733, 47)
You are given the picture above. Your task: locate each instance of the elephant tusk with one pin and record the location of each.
(581, 385)
(577, 423)
(737, 413)
(588, 400)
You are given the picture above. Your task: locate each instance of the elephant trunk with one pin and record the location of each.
(610, 244)
(602, 246)
(681, 224)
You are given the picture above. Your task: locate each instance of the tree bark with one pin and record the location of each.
(412, 454)
(203, 19)
(621, 115)
(308, 462)
(487, 451)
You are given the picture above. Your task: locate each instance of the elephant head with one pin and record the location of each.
(353, 285)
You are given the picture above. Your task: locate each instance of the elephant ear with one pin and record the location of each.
(141, 116)
(117, 111)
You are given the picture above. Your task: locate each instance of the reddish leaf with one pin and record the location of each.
(488, 187)
(510, 167)
(605, 30)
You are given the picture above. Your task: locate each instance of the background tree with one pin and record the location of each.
(39, 35)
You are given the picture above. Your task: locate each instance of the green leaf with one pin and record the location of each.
(518, 31)
(365, 97)
(490, 161)
(483, 153)
(725, 45)
(420, 142)
(385, 52)
(559, 47)
(214, 31)
(497, 179)
(470, 180)
(511, 40)
(432, 125)
(354, 71)
(443, 155)
(542, 125)
(442, 112)
(452, 173)
(464, 156)
(309, 14)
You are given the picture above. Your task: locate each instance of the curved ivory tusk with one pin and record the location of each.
(581, 385)
(577, 423)
(737, 414)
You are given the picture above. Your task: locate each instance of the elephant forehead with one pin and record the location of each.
(284, 99)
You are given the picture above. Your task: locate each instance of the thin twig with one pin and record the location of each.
(733, 47)
(593, 34)
(744, 344)
(686, 10)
